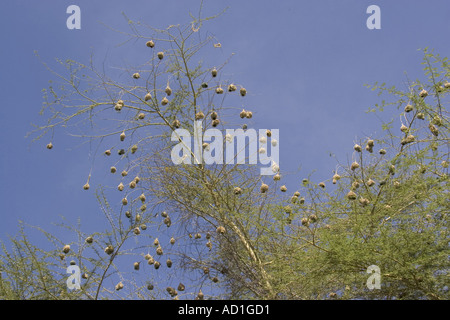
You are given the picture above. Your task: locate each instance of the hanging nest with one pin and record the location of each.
(305, 222)
(409, 108)
(302, 200)
(150, 44)
(410, 138)
(120, 186)
(113, 169)
(288, 209)
(169, 263)
(351, 195)
(164, 214)
(176, 123)
(370, 182)
(137, 231)
(237, 191)
(121, 152)
(283, 188)
(108, 152)
(119, 286)
(357, 148)
(215, 122)
(160, 55)
(86, 186)
(313, 218)
(214, 72)
(49, 146)
(354, 166)
(433, 130)
(421, 116)
(200, 295)
(122, 136)
(243, 114)
(150, 260)
(437, 121)
(132, 184)
(404, 128)
(382, 151)
(157, 264)
(171, 291)
(143, 226)
(199, 115)
(109, 249)
(181, 287)
(124, 173)
(168, 90)
(136, 266)
(66, 248)
(363, 201)
(264, 188)
(136, 75)
(322, 185)
(167, 222)
(148, 96)
(141, 116)
(164, 101)
(209, 245)
(124, 201)
(119, 105)
(423, 93)
(214, 115)
(243, 92)
(198, 236)
(142, 197)
(150, 287)
(137, 218)
(249, 115)
(89, 240)
(219, 90)
(336, 177)
(231, 88)
(172, 240)
(355, 185)
(128, 214)
(277, 177)
(159, 251)
(221, 230)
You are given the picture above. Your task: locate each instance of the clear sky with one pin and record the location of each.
(304, 64)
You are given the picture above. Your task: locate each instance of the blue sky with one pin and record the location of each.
(304, 64)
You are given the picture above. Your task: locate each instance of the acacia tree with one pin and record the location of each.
(221, 230)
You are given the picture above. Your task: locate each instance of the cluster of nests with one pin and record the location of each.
(199, 115)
